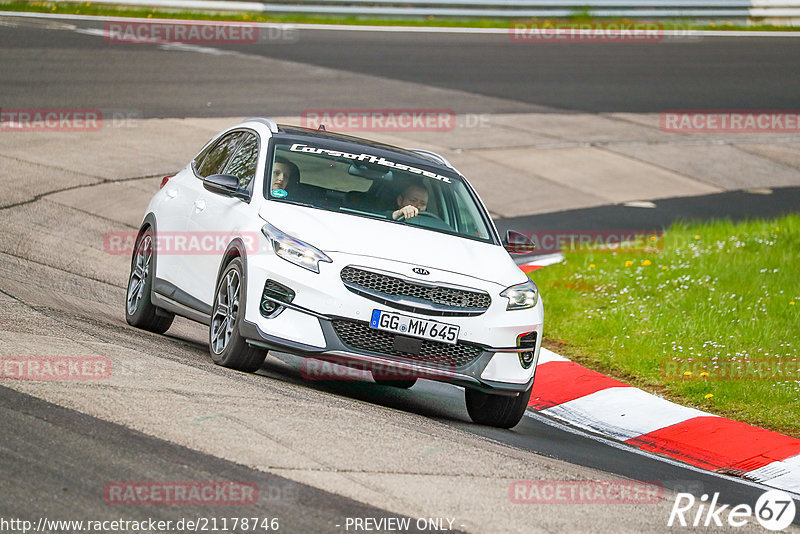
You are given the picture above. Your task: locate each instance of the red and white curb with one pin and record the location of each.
(541, 261)
(596, 403)
(586, 399)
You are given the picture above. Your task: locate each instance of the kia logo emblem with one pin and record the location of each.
(420, 270)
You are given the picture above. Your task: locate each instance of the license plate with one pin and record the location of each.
(411, 326)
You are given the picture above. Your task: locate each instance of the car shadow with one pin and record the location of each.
(427, 398)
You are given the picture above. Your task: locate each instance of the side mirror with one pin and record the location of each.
(225, 184)
(518, 243)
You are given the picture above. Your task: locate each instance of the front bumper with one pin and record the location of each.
(311, 325)
(472, 375)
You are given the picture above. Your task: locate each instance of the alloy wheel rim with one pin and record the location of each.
(139, 274)
(226, 310)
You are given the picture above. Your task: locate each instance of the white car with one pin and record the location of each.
(342, 250)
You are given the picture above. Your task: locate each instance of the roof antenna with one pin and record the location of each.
(322, 128)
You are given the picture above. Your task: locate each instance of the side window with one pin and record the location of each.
(243, 163)
(219, 155)
(198, 160)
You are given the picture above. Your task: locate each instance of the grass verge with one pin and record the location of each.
(709, 317)
(88, 8)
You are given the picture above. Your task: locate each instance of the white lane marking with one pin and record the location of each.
(784, 474)
(400, 29)
(622, 412)
(181, 47)
(41, 25)
(549, 356)
(639, 204)
(789, 481)
(170, 46)
(559, 425)
(544, 260)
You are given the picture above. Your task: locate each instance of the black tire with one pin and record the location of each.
(228, 348)
(387, 380)
(139, 309)
(496, 410)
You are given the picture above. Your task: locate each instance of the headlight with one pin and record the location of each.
(294, 250)
(521, 296)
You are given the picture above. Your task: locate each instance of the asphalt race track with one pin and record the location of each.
(70, 69)
(319, 452)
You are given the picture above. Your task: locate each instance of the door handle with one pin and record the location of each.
(199, 205)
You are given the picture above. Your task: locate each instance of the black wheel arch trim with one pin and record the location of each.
(148, 221)
(236, 245)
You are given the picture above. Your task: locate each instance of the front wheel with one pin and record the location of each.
(496, 410)
(228, 347)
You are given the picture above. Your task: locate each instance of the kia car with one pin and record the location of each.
(343, 250)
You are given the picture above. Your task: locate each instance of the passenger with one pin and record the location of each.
(285, 175)
(411, 201)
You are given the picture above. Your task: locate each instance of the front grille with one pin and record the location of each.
(432, 300)
(360, 336)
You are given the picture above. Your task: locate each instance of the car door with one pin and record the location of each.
(186, 244)
(173, 219)
(218, 218)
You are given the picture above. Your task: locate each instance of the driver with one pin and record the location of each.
(411, 201)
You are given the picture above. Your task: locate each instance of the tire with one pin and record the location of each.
(139, 309)
(228, 348)
(387, 380)
(496, 410)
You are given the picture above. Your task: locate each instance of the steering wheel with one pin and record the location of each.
(421, 214)
(429, 214)
(426, 219)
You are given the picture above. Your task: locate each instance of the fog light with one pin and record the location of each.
(268, 307)
(527, 341)
(274, 294)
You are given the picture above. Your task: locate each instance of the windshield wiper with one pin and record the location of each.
(296, 203)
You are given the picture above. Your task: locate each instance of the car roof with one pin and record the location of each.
(383, 149)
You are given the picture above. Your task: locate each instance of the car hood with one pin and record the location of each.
(362, 236)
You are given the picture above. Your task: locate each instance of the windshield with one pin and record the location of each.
(367, 185)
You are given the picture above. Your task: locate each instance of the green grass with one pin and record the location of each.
(580, 15)
(715, 294)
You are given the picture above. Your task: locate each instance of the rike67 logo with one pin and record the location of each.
(774, 510)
